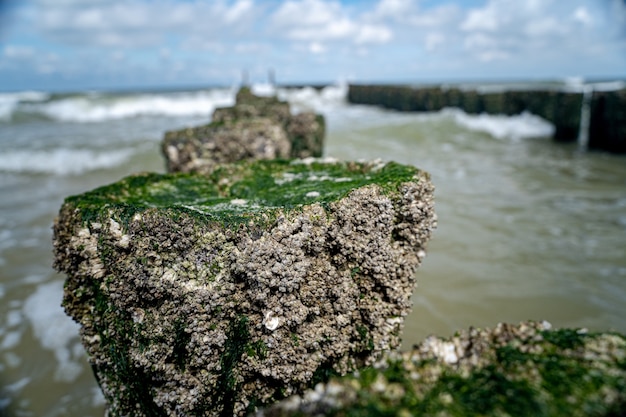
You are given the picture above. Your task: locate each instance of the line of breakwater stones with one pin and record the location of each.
(231, 287)
(606, 125)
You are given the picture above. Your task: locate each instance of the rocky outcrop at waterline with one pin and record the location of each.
(524, 370)
(605, 129)
(212, 295)
(256, 128)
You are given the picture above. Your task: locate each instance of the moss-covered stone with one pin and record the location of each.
(524, 370)
(255, 128)
(215, 294)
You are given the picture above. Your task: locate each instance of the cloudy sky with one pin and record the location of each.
(77, 44)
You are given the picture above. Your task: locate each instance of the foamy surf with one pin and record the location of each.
(62, 161)
(101, 107)
(516, 127)
(54, 330)
(9, 102)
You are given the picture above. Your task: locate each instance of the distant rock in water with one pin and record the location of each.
(213, 295)
(524, 370)
(256, 128)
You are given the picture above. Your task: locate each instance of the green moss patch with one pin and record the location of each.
(239, 192)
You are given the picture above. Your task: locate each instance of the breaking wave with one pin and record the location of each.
(100, 107)
(517, 127)
(62, 161)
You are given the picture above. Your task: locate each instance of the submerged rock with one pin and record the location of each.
(255, 128)
(215, 294)
(524, 370)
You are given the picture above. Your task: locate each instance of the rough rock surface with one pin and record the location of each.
(215, 294)
(255, 128)
(524, 370)
(202, 149)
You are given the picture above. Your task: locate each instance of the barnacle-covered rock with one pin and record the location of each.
(524, 370)
(215, 294)
(203, 148)
(255, 128)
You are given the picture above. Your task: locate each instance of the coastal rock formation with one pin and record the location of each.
(524, 370)
(255, 128)
(217, 294)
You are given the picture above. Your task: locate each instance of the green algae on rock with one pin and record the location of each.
(256, 128)
(524, 370)
(216, 294)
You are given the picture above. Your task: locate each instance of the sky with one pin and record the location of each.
(69, 45)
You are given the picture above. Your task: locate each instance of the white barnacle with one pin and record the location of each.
(313, 194)
(270, 321)
(115, 228)
(238, 202)
(169, 275)
(138, 314)
(123, 240)
(448, 353)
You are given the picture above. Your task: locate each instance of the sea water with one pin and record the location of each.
(528, 229)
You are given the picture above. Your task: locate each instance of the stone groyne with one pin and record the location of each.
(605, 128)
(239, 282)
(255, 128)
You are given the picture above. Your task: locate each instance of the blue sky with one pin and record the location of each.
(79, 44)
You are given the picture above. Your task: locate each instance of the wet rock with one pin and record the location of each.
(216, 294)
(528, 369)
(202, 149)
(255, 128)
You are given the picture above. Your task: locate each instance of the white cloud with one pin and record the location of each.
(319, 21)
(136, 23)
(373, 34)
(238, 11)
(485, 19)
(434, 40)
(317, 48)
(306, 38)
(18, 52)
(394, 8)
(582, 15)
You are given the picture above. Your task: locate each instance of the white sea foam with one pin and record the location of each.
(521, 126)
(102, 107)
(10, 340)
(62, 161)
(10, 101)
(54, 330)
(325, 100)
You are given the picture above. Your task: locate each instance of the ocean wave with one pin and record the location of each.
(9, 102)
(62, 161)
(517, 127)
(324, 100)
(100, 107)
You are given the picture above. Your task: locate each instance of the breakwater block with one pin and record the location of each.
(523, 370)
(606, 129)
(256, 128)
(215, 294)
